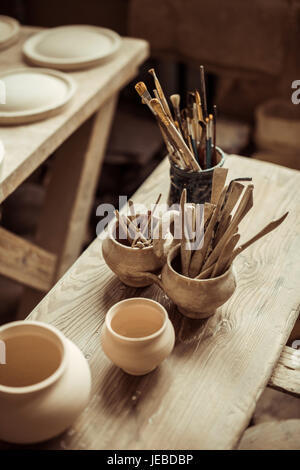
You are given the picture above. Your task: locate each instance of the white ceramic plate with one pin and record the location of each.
(9, 31)
(72, 47)
(33, 94)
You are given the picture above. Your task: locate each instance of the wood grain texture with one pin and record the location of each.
(204, 394)
(286, 375)
(25, 262)
(65, 214)
(27, 146)
(273, 435)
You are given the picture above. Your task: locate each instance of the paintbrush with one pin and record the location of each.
(214, 135)
(161, 94)
(177, 138)
(203, 92)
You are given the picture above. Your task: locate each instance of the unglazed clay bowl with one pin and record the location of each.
(195, 298)
(132, 265)
(137, 335)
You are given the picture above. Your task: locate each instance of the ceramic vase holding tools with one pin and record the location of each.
(132, 264)
(137, 335)
(45, 382)
(198, 184)
(194, 298)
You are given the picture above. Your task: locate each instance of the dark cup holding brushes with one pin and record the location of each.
(197, 183)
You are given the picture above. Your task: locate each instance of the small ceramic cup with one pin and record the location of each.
(137, 335)
(194, 298)
(131, 264)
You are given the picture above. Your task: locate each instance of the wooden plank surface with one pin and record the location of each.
(273, 435)
(66, 212)
(27, 146)
(25, 262)
(286, 375)
(204, 394)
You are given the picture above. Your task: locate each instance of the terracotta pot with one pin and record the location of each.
(194, 298)
(44, 384)
(137, 335)
(132, 264)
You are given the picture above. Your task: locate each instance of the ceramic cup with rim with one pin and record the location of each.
(130, 264)
(137, 335)
(197, 183)
(194, 298)
(45, 382)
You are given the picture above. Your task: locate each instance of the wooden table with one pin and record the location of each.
(78, 137)
(204, 394)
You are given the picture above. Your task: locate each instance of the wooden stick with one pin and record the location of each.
(189, 158)
(225, 255)
(203, 91)
(123, 226)
(218, 183)
(243, 208)
(185, 253)
(161, 95)
(214, 135)
(267, 229)
(199, 255)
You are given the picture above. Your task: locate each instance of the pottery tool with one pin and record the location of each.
(185, 252)
(175, 100)
(225, 255)
(267, 229)
(144, 94)
(161, 95)
(131, 207)
(199, 256)
(176, 137)
(123, 226)
(190, 133)
(245, 205)
(203, 91)
(214, 135)
(218, 183)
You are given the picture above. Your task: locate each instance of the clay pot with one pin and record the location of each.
(194, 298)
(137, 335)
(131, 265)
(45, 382)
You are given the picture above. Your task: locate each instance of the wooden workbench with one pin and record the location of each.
(78, 137)
(204, 394)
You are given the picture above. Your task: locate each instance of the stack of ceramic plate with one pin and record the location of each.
(9, 31)
(72, 47)
(33, 94)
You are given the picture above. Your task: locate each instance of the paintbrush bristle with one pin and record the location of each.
(175, 100)
(141, 88)
(156, 105)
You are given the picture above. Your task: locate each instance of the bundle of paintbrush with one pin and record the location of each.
(189, 133)
(216, 248)
(136, 230)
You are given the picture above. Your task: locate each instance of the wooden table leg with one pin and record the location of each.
(70, 195)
